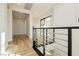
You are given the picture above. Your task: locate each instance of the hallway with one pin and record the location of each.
(53, 32)
(21, 45)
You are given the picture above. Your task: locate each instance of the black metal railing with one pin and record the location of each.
(45, 41)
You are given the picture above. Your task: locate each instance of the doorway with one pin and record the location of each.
(21, 44)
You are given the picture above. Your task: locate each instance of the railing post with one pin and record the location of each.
(43, 43)
(53, 35)
(36, 40)
(33, 37)
(69, 42)
(46, 36)
(34, 43)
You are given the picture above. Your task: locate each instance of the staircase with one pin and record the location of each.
(53, 41)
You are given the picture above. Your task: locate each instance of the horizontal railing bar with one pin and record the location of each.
(52, 42)
(61, 39)
(50, 28)
(36, 44)
(40, 41)
(61, 44)
(61, 33)
(60, 49)
(39, 45)
(72, 27)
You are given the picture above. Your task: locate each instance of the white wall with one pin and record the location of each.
(10, 18)
(19, 26)
(27, 26)
(31, 24)
(63, 15)
(3, 27)
(36, 22)
(39, 11)
(67, 15)
(14, 8)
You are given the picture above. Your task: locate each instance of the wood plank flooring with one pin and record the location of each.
(22, 46)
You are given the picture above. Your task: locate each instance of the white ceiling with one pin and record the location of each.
(38, 9)
(41, 9)
(27, 6)
(18, 15)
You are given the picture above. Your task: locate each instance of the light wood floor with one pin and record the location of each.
(21, 45)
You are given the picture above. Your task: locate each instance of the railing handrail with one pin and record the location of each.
(71, 27)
